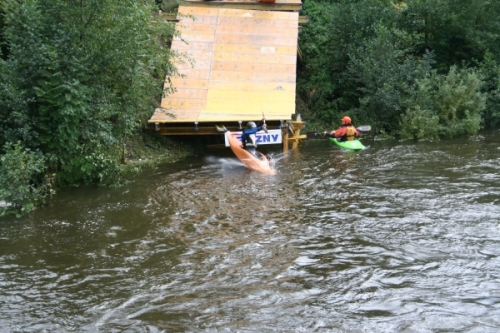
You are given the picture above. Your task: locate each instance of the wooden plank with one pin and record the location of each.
(199, 55)
(190, 9)
(233, 38)
(250, 107)
(276, 30)
(256, 77)
(193, 73)
(252, 110)
(220, 116)
(231, 96)
(183, 103)
(254, 1)
(196, 36)
(183, 116)
(269, 26)
(229, 115)
(196, 56)
(190, 29)
(257, 16)
(189, 83)
(164, 116)
(255, 49)
(190, 93)
(180, 45)
(277, 6)
(298, 137)
(255, 59)
(196, 64)
(199, 19)
(248, 67)
(263, 86)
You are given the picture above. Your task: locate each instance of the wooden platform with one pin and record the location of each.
(243, 64)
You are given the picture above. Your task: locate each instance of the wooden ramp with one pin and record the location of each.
(243, 67)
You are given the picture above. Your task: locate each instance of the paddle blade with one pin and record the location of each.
(364, 128)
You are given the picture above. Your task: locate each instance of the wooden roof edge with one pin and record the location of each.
(279, 6)
(206, 128)
(220, 122)
(172, 17)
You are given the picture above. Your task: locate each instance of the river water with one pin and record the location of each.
(399, 237)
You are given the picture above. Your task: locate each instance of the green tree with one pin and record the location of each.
(446, 106)
(367, 58)
(384, 70)
(490, 75)
(455, 30)
(335, 31)
(24, 183)
(3, 49)
(79, 78)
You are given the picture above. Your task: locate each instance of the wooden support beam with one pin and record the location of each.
(199, 129)
(299, 137)
(291, 133)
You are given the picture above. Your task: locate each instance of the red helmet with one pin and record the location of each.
(346, 120)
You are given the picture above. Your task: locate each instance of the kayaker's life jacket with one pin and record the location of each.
(250, 141)
(349, 133)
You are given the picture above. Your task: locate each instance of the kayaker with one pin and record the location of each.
(347, 132)
(248, 137)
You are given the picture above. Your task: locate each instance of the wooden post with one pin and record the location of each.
(291, 133)
(284, 134)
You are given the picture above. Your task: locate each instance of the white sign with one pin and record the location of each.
(270, 138)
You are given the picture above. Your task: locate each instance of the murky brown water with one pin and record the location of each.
(400, 237)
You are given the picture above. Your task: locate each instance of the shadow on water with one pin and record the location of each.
(399, 237)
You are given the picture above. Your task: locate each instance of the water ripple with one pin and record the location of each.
(400, 237)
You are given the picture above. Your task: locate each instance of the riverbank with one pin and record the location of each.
(139, 153)
(149, 150)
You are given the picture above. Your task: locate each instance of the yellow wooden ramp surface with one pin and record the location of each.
(244, 66)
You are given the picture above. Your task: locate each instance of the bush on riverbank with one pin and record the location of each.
(77, 81)
(420, 69)
(26, 181)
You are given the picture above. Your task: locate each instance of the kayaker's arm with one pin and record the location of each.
(262, 125)
(329, 134)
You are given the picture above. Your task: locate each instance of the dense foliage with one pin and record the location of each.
(76, 80)
(421, 69)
